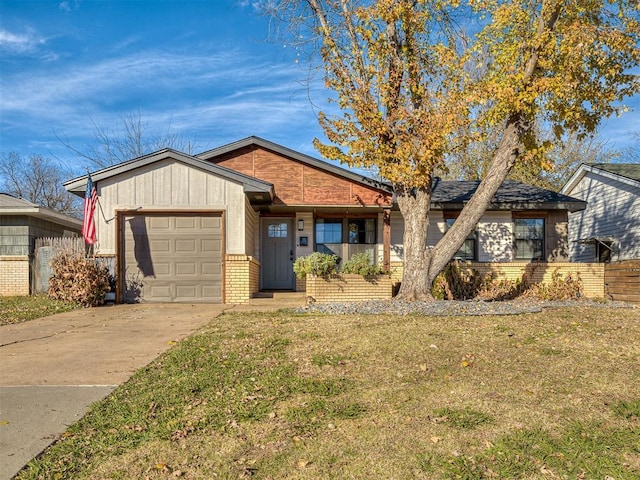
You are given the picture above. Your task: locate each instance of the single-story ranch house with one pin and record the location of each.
(227, 223)
(21, 222)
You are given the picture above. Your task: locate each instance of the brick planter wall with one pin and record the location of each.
(591, 274)
(349, 288)
(14, 275)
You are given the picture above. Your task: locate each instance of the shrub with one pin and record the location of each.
(568, 287)
(457, 283)
(361, 264)
(79, 279)
(320, 264)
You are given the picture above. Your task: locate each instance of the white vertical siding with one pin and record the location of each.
(171, 185)
(435, 233)
(494, 231)
(613, 210)
(495, 237)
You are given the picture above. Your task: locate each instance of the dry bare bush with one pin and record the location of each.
(78, 278)
(458, 282)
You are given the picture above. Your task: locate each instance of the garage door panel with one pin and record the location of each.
(159, 246)
(161, 268)
(210, 268)
(186, 246)
(186, 269)
(211, 245)
(159, 291)
(177, 257)
(186, 291)
(210, 291)
(159, 223)
(186, 223)
(211, 223)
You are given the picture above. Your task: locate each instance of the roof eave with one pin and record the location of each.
(44, 214)
(583, 169)
(511, 206)
(250, 184)
(307, 159)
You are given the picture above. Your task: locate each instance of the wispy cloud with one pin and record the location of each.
(68, 6)
(215, 97)
(20, 43)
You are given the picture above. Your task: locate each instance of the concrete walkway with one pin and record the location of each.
(53, 368)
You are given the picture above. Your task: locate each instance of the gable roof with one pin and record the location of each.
(510, 196)
(250, 185)
(628, 173)
(10, 205)
(300, 157)
(627, 170)
(446, 194)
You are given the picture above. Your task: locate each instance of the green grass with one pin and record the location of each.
(21, 309)
(275, 395)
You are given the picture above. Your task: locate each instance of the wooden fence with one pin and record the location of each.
(45, 249)
(622, 280)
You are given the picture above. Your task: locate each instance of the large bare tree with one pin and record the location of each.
(410, 75)
(37, 179)
(563, 157)
(132, 138)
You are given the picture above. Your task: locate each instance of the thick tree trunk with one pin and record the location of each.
(422, 264)
(503, 160)
(414, 205)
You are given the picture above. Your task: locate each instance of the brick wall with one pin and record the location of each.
(591, 274)
(242, 278)
(349, 288)
(14, 275)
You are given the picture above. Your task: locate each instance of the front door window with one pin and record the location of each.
(277, 230)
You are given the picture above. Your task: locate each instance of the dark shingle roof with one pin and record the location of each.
(628, 170)
(510, 196)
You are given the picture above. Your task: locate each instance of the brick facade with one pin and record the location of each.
(349, 288)
(591, 274)
(242, 278)
(14, 275)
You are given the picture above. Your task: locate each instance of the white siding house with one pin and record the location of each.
(609, 228)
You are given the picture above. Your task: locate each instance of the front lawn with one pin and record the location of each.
(21, 309)
(277, 395)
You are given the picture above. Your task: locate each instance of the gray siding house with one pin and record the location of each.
(609, 228)
(21, 222)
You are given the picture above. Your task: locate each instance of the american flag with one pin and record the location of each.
(88, 222)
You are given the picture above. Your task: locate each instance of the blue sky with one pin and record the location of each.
(201, 68)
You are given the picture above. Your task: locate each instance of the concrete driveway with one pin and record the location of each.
(53, 368)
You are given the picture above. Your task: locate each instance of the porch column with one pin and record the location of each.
(386, 239)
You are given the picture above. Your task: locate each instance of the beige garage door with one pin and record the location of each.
(172, 258)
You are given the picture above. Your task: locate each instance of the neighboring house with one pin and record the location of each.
(609, 228)
(222, 225)
(21, 222)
